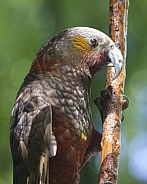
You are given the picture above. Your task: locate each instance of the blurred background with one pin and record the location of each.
(25, 25)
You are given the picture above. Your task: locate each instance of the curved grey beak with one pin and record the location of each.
(116, 60)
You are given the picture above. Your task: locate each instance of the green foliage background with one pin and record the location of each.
(25, 25)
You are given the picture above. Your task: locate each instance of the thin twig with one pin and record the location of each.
(113, 113)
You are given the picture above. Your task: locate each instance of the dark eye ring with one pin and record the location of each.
(93, 42)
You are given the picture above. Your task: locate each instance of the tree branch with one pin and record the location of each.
(113, 110)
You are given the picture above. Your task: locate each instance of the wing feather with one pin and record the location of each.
(32, 140)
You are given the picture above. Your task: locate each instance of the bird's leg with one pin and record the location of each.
(94, 146)
(101, 102)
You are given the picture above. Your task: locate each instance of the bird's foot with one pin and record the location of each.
(102, 102)
(125, 104)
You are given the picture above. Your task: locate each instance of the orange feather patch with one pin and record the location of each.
(80, 43)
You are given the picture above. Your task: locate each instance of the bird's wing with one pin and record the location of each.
(32, 140)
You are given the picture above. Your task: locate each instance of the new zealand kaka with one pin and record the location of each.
(51, 131)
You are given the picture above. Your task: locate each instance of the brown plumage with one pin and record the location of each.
(51, 132)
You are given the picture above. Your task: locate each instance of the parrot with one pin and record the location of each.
(52, 134)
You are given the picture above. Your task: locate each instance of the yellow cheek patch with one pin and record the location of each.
(83, 137)
(80, 43)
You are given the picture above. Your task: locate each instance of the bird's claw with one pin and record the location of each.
(101, 102)
(125, 102)
(125, 105)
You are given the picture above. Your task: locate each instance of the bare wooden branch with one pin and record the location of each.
(113, 111)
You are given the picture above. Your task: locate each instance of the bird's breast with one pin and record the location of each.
(73, 133)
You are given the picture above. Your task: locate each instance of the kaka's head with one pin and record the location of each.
(84, 48)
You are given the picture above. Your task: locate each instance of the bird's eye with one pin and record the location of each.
(111, 47)
(93, 42)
